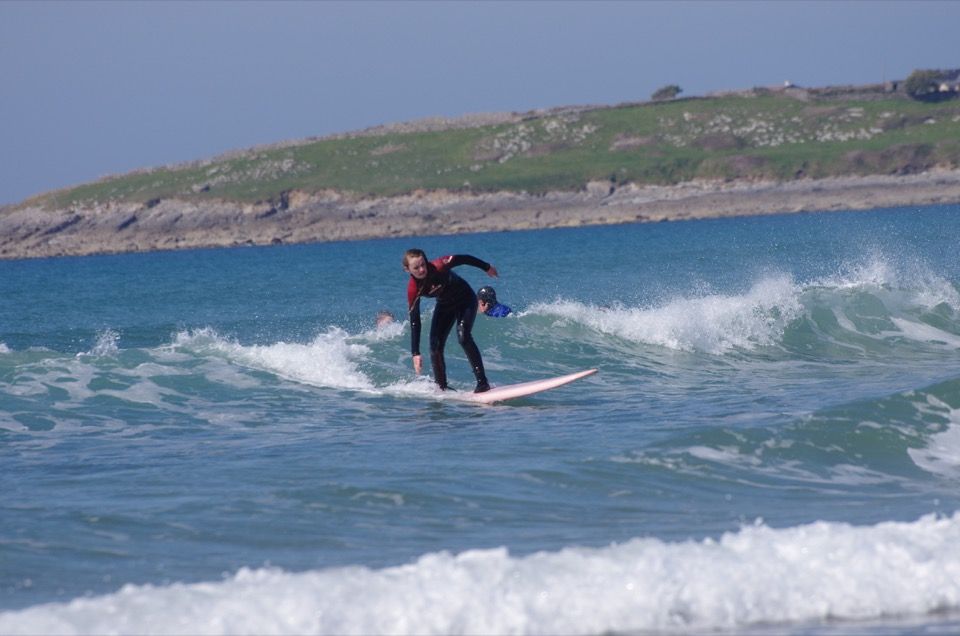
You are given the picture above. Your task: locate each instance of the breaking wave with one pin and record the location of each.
(756, 576)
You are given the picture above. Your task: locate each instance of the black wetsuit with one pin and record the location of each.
(456, 303)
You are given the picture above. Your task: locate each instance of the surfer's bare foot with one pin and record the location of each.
(482, 387)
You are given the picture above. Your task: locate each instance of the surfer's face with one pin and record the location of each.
(417, 266)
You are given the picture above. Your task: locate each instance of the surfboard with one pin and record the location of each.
(513, 391)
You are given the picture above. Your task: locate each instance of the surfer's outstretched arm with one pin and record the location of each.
(455, 260)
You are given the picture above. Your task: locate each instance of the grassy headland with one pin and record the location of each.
(564, 166)
(770, 135)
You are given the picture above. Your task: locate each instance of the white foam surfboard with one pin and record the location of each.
(513, 391)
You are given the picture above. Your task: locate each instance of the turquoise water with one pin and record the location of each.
(220, 441)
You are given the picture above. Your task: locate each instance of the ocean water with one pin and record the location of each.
(221, 441)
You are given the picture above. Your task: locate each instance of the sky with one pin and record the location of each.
(89, 89)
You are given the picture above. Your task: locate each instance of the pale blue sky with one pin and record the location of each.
(95, 88)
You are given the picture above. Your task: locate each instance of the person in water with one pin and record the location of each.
(384, 318)
(488, 305)
(456, 304)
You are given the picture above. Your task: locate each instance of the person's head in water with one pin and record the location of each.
(487, 296)
(384, 318)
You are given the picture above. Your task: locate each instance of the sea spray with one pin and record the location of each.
(106, 345)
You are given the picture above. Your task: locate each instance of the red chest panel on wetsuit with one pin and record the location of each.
(434, 284)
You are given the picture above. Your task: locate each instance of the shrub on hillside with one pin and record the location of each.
(666, 92)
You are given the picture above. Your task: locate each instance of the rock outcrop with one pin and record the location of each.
(300, 217)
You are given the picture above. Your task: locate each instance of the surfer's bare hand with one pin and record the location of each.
(492, 272)
(417, 364)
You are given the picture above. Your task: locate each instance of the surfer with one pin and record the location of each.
(488, 305)
(456, 303)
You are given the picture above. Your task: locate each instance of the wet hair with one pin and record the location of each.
(411, 253)
(487, 294)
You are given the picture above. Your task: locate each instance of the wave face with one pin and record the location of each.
(873, 306)
(224, 442)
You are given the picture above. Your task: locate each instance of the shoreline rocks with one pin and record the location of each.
(301, 217)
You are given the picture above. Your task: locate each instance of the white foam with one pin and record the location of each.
(941, 455)
(334, 359)
(873, 272)
(712, 324)
(907, 285)
(759, 575)
(722, 455)
(330, 360)
(925, 333)
(717, 323)
(689, 461)
(106, 345)
(387, 331)
(4, 348)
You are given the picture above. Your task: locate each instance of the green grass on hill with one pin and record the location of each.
(770, 136)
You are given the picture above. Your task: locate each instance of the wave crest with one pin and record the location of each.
(712, 324)
(330, 360)
(871, 298)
